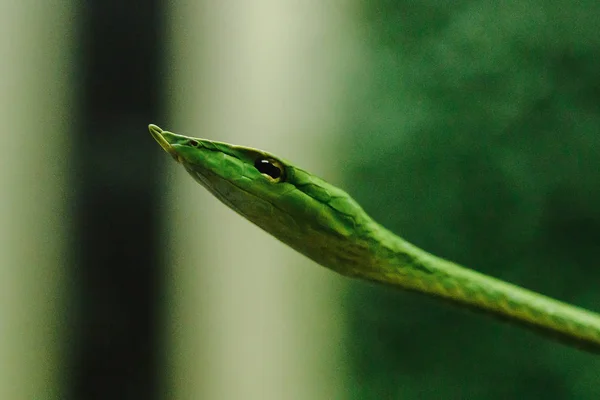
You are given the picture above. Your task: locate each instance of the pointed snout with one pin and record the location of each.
(157, 134)
(161, 137)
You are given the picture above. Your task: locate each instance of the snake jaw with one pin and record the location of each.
(157, 134)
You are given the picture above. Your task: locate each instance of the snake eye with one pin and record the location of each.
(270, 168)
(193, 143)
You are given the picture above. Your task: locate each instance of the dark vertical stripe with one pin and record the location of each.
(115, 331)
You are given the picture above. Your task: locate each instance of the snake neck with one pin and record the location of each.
(399, 263)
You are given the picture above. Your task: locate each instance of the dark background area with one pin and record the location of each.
(483, 127)
(117, 203)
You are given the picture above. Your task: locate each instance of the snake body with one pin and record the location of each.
(325, 224)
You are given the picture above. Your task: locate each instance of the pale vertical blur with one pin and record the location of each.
(35, 45)
(248, 317)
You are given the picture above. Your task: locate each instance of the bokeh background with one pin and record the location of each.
(471, 128)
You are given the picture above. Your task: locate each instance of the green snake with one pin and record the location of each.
(325, 224)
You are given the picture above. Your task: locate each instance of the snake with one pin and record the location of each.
(324, 223)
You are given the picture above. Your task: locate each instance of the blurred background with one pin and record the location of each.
(471, 128)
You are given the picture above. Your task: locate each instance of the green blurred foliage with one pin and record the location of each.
(476, 135)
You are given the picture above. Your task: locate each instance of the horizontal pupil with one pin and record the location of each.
(266, 167)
